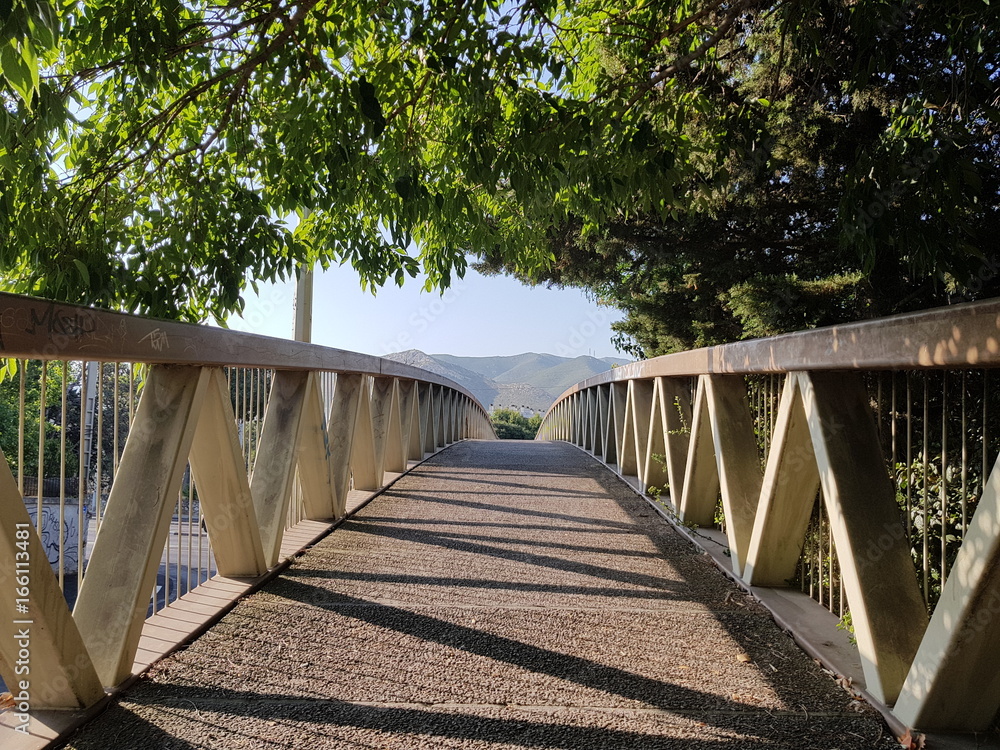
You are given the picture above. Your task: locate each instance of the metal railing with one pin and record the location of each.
(857, 463)
(141, 458)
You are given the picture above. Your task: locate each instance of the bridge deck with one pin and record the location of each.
(502, 595)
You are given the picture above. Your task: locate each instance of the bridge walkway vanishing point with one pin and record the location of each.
(501, 595)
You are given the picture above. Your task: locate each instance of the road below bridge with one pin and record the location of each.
(501, 595)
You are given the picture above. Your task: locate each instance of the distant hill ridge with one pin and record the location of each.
(523, 381)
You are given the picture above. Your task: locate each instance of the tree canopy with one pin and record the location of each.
(153, 151)
(858, 176)
(660, 152)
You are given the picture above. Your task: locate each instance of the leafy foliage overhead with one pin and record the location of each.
(152, 151)
(846, 166)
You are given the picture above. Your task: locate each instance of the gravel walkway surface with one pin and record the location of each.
(502, 595)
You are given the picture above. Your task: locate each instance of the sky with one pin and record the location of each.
(478, 316)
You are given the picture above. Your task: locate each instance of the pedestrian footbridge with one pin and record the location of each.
(255, 543)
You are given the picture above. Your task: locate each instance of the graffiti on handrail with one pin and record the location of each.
(157, 339)
(51, 320)
(61, 323)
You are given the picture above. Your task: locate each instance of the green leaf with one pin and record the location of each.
(18, 74)
(84, 272)
(404, 187)
(370, 106)
(31, 63)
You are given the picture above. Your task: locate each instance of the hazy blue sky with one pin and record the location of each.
(478, 316)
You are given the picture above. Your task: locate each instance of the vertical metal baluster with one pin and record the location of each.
(965, 456)
(254, 395)
(209, 556)
(834, 578)
(762, 424)
(878, 407)
(944, 477)
(41, 445)
(893, 441)
(62, 479)
(772, 409)
(168, 559)
(754, 399)
(819, 556)
(909, 459)
(233, 392)
(768, 412)
(925, 453)
(765, 398)
(132, 373)
(22, 366)
(840, 590)
(241, 420)
(830, 567)
(190, 528)
(261, 400)
(247, 422)
(98, 505)
(802, 571)
(759, 404)
(233, 379)
(252, 439)
(81, 522)
(816, 584)
(761, 410)
(201, 536)
(116, 410)
(177, 558)
(758, 387)
(807, 554)
(986, 443)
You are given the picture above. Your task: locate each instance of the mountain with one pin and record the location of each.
(527, 381)
(546, 371)
(494, 367)
(526, 370)
(559, 376)
(482, 388)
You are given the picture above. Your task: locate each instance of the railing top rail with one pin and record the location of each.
(966, 335)
(32, 328)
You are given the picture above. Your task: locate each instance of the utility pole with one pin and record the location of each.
(303, 303)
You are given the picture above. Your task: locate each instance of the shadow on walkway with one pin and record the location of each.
(436, 619)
